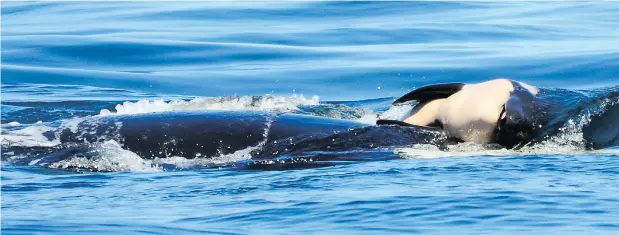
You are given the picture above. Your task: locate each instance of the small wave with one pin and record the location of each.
(458, 150)
(472, 150)
(13, 124)
(261, 103)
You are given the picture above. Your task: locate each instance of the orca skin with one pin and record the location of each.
(200, 134)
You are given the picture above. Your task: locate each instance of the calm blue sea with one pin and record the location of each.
(64, 61)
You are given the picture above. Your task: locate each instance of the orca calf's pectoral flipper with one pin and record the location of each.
(430, 92)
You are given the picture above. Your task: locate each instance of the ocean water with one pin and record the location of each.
(63, 62)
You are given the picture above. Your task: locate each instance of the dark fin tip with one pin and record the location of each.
(430, 92)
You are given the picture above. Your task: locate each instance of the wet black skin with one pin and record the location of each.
(199, 133)
(516, 125)
(213, 133)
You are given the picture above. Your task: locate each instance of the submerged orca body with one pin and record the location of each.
(215, 133)
(603, 129)
(516, 119)
(497, 111)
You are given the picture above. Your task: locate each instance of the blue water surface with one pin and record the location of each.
(62, 60)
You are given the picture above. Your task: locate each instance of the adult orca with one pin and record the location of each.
(207, 134)
(497, 111)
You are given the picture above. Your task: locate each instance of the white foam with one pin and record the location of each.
(13, 124)
(109, 156)
(182, 162)
(30, 136)
(71, 124)
(397, 112)
(368, 119)
(472, 150)
(262, 103)
(458, 150)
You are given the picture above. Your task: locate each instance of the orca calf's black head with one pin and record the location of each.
(517, 121)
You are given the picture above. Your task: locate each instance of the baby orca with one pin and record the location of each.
(498, 111)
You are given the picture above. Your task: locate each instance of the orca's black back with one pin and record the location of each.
(201, 133)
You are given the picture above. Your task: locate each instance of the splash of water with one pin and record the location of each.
(108, 156)
(261, 103)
